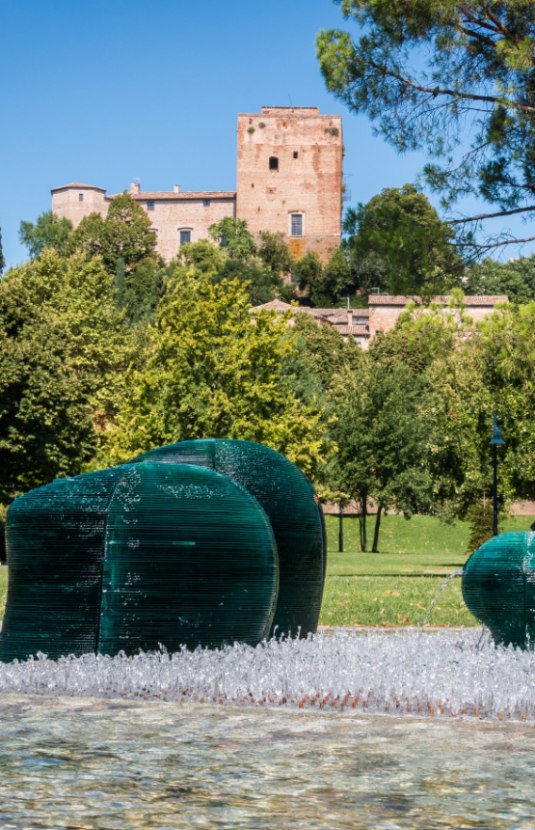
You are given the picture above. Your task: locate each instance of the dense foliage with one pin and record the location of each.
(105, 352)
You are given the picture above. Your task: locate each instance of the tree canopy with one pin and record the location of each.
(456, 79)
(49, 231)
(398, 244)
(213, 369)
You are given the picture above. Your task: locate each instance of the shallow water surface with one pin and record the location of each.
(110, 764)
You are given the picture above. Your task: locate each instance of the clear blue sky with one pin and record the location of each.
(110, 90)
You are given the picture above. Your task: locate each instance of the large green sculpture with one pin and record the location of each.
(162, 553)
(498, 587)
(294, 512)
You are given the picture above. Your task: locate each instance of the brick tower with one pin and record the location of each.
(289, 177)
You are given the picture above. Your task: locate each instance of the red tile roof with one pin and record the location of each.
(171, 196)
(474, 300)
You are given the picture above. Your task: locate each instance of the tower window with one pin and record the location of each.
(150, 205)
(273, 163)
(206, 202)
(296, 224)
(80, 197)
(296, 154)
(185, 236)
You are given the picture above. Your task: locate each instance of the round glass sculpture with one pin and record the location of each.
(294, 512)
(190, 560)
(137, 557)
(498, 586)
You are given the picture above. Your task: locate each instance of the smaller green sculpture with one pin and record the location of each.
(498, 587)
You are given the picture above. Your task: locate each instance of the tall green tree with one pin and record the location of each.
(515, 278)
(398, 243)
(325, 285)
(214, 370)
(381, 438)
(64, 351)
(124, 238)
(49, 231)
(455, 79)
(233, 235)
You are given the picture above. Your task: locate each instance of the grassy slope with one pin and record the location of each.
(396, 586)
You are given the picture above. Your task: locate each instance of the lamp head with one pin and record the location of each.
(497, 437)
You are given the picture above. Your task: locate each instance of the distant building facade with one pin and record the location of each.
(289, 181)
(364, 324)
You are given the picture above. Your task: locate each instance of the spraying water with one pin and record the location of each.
(440, 592)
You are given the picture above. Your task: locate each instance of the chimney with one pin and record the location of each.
(135, 187)
(176, 188)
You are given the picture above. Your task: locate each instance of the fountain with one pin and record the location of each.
(386, 729)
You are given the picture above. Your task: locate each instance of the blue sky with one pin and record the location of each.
(110, 90)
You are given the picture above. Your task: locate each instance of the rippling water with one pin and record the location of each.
(102, 744)
(92, 763)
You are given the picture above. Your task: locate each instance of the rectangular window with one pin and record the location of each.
(206, 202)
(296, 224)
(296, 154)
(185, 236)
(150, 205)
(80, 197)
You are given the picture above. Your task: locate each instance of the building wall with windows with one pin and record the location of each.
(290, 176)
(289, 181)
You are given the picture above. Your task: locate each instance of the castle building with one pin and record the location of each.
(289, 181)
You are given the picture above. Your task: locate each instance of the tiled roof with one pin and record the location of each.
(78, 186)
(171, 196)
(475, 300)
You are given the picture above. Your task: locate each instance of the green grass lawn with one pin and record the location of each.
(396, 586)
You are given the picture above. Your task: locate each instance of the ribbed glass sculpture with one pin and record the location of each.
(55, 540)
(190, 560)
(137, 557)
(498, 587)
(294, 512)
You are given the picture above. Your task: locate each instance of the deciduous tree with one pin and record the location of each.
(49, 231)
(398, 244)
(213, 369)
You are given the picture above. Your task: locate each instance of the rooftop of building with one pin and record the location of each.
(172, 195)
(402, 300)
(78, 186)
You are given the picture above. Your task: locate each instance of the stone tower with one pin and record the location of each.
(289, 177)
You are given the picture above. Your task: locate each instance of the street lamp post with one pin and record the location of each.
(340, 528)
(495, 442)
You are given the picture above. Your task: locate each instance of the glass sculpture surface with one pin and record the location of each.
(180, 547)
(498, 587)
(294, 512)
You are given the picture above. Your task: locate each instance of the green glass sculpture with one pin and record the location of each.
(190, 560)
(498, 586)
(55, 542)
(137, 557)
(294, 512)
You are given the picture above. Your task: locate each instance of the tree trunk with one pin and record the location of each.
(375, 548)
(362, 522)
